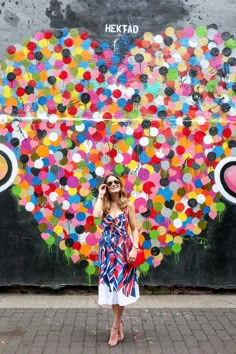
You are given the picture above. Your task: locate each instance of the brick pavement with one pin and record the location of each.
(154, 331)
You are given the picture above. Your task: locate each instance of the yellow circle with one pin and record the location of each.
(198, 52)
(162, 230)
(169, 238)
(196, 230)
(178, 240)
(182, 216)
(170, 31)
(62, 245)
(3, 167)
(182, 67)
(72, 191)
(203, 41)
(147, 36)
(58, 229)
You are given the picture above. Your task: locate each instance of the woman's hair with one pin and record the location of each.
(123, 200)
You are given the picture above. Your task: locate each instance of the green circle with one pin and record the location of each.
(147, 225)
(25, 41)
(9, 56)
(119, 169)
(97, 221)
(74, 71)
(134, 114)
(69, 252)
(202, 224)
(26, 62)
(181, 192)
(90, 269)
(16, 190)
(172, 74)
(158, 206)
(42, 227)
(176, 248)
(36, 76)
(230, 43)
(74, 32)
(3, 65)
(174, 215)
(92, 65)
(153, 234)
(45, 91)
(53, 220)
(50, 241)
(166, 251)
(220, 206)
(53, 40)
(211, 85)
(201, 31)
(70, 87)
(77, 58)
(144, 267)
(129, 141)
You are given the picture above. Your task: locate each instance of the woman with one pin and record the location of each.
(118, 285)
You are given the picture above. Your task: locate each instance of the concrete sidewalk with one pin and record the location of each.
(165, 324)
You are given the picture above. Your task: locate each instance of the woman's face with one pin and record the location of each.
(113, 184)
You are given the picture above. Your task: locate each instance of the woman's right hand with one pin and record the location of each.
(102, 190)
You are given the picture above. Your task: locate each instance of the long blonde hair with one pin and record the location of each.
(123, 200)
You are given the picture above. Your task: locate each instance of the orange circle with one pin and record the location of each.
(42, 151)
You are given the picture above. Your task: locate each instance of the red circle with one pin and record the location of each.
(11, 49)
(72, 110)
(68, 42)
(116, 93)
(226, 133)
(107, 115)
(47, 34)
(180, 150)
(58, 48)
(87, 75)
(79, 87)
(32, 83)
(31, 46)
(20, 92)
(66, 94)
(67, 60)
(30, 56)
(84, 35)
(63, 75)
(17, 71)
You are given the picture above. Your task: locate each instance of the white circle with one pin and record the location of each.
(201, 198)
(177, 223)
(14, 167)
(208, 139)
(217, 175)
(80, 127)
(204, 63)
(153, 131)
(65, 205)
(53, 118)
(119, 158)
(179, 121)
(53, 196)
(144, 141)
(38, 163)
(158, 39)
(29, 206)
(76, 157)
(53, 136)
(130, 91)
(100, 171)
(201, 120)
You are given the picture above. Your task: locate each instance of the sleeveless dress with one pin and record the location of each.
(118, 283)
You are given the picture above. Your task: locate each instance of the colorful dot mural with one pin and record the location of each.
(162, 117)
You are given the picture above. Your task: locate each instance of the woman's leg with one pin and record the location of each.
(117, 330)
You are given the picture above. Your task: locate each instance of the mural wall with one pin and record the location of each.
(149, 93)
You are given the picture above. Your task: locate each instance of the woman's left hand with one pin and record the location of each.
(132, 255)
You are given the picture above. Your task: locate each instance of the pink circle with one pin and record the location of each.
(39, 35)
(91, 240)
(230, 177)
(72, 182)
(188, 31)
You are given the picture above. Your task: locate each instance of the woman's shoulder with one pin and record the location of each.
(130, 206)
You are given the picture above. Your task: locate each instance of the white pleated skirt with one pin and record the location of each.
(106, 297)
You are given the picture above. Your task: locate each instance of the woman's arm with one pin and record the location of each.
(98, 207)
(133, 225)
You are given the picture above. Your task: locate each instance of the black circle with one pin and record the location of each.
(213, 25)
(225, 36)
(170, 204)
(192, 203)
(29, 89)
(79, 229)
(168, 41)
(63, 181)
(65, 53)
(61, 108)
(211, 175)
(24, 158)
(146, 235)
(98, 50)
(103, 69)
(146, 214)
(38, 55)
(69, 216)
(226, 52)
(11, 76)
(85, 97)
(213, 131)
(187, 122)
(162, 114)
(163, 70)
(143, 78)
(169, 91)
(146, 124)
(58, 33)
(234, 87)
(51, 80)
(193, 72)
(136, 98)
(171, 140)
(211, 156)
(139, 58)
(196, 96)
(232, 61)
(14, 111)
(164, 182)
(232, 144)
(225, 107)
(138, 149)
(221, 72)
(69, 242)
(155, 251)
(214, 52)
(171, 154)
(35, 171)
(15, 141)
